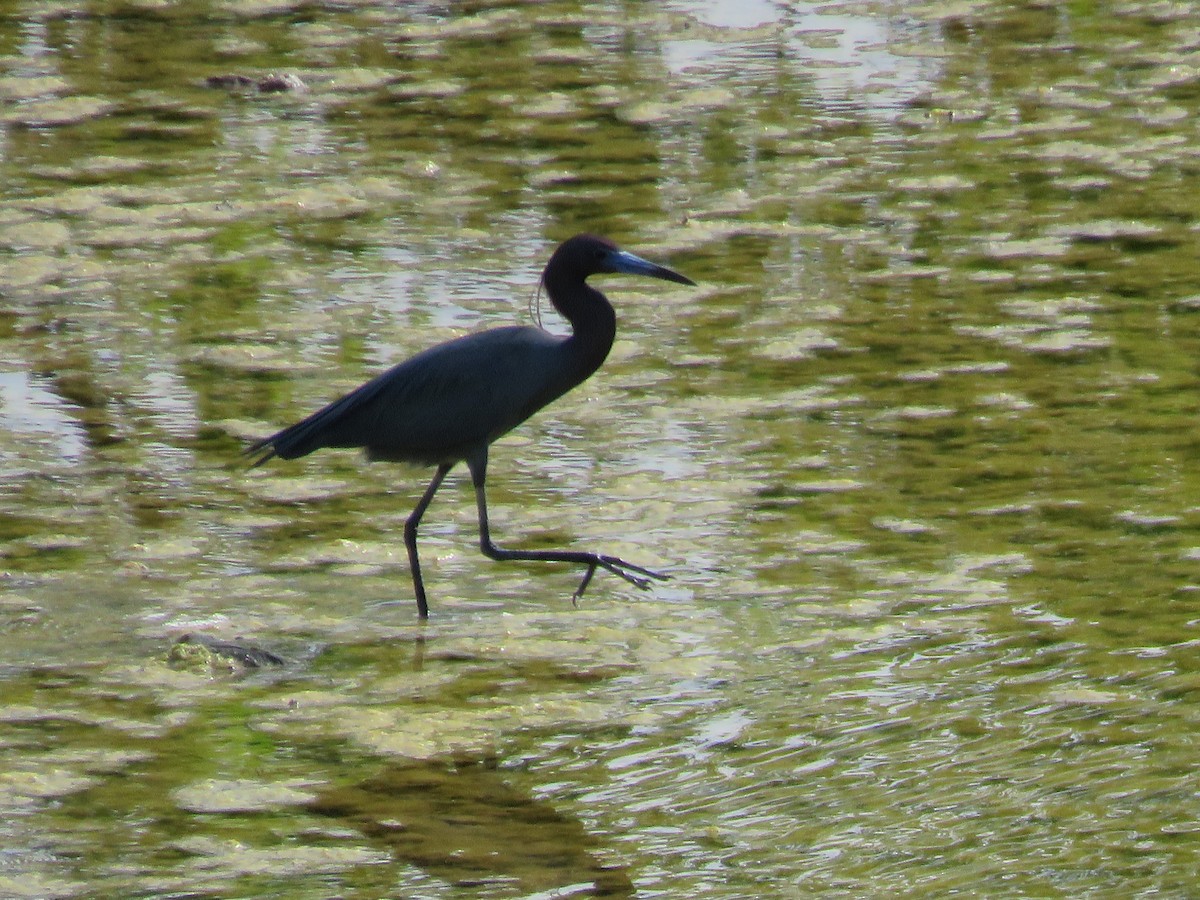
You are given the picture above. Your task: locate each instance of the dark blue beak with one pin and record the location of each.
(632, 264)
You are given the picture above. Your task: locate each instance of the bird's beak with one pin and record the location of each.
(631, 264)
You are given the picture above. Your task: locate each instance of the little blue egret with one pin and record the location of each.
(449, 403)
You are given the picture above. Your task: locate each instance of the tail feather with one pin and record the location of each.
(292, 442)
(330, 426)
(260, 451)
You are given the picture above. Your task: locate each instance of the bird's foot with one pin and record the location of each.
(635, 575)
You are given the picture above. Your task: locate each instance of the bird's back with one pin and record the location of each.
(442, 404)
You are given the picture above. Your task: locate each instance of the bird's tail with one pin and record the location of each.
(316, 431)
(260, 451)
(331, 426)
(294, 441)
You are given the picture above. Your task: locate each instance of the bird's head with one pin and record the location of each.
(588, 254)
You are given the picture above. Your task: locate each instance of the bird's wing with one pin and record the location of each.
(438, 404)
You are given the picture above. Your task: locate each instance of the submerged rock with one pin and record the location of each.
(199, 653)
(271, 83)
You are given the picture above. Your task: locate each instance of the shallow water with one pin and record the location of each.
(917, 453)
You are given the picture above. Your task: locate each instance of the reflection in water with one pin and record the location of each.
(919, 455)
(733, 13)
(28, 408)
(861, 61)
(461, 822)
(856, 61)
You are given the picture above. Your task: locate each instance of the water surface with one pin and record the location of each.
(917, 454)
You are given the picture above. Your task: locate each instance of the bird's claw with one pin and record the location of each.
(635, 575)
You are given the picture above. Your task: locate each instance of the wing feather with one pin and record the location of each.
(438, 405)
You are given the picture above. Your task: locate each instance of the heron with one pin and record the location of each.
(449, 403)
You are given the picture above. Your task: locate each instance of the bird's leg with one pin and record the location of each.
(410, 537)
(587, 579)
(635, 575)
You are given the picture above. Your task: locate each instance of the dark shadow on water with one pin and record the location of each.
(464, 824)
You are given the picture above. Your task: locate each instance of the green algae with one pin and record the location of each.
(915, 454)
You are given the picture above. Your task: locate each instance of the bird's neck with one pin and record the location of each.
(593, 322)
